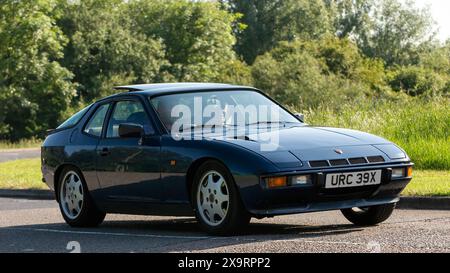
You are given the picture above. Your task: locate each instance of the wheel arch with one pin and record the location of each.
(190, 174)
(57, 176)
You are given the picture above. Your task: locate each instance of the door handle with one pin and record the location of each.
(104, 152)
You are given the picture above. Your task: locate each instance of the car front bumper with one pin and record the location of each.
(315, 197)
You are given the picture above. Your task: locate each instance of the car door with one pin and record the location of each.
(128, 169)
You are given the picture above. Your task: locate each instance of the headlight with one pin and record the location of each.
(398, 173)
(301, 180)
(402, 172)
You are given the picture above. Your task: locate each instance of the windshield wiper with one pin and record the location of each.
(270, 123)
(202, 126)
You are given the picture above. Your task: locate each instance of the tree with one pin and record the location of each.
(415, 81)
(197, 36)
(294, 76)
(396, 32)
(343, 58)
(104, 50)
(307, 73)
(437, 58)
(350, 16)
(303, 19)
(269, 22)
(35, 90)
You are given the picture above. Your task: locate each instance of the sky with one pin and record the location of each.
(440, 10)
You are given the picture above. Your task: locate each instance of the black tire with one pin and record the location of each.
(369, 216)
(236, 218)
(90, 215)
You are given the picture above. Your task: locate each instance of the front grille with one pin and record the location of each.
(375, 159)
(339, 162)
(357, 160)
(319, 163)
(346, 161)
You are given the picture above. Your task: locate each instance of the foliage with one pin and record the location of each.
(307, 73)
(350, 17)
(396, 32)
(415, 80)
(197, 36)
(34, 88)
(268, 22)
(21, 144)
(291, 75)
(104, 51)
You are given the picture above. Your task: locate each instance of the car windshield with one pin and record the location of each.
(220, 108)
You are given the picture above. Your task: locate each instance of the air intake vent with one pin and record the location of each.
(319, 163)
(339, 162)
(357, 160)
(375, 159)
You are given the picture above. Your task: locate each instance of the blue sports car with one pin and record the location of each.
(223, 153)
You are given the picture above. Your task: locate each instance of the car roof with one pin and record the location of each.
(166, 88)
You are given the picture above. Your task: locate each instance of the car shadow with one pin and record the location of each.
(191, 226)
(192, 238)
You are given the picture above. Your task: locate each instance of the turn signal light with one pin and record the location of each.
(409, 171)
(277, 182)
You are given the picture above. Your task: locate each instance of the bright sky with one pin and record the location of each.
(440, 10)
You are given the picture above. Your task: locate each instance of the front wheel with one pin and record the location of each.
(369, 216)
(218, 206)
(75, 202)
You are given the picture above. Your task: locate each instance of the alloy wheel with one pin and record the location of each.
(71, 195)
(213, 198)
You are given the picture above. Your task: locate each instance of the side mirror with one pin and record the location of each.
(130, 130)
(300, 117)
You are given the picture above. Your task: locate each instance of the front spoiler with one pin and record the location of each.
(325, 206)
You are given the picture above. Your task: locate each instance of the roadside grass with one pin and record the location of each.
(25, 143)
(429, 183)
(26, 174)
(420, 127)
(21, 174)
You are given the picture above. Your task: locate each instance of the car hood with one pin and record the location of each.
(287, 147)
(302, 138)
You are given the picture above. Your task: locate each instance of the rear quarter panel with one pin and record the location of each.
(69, 147)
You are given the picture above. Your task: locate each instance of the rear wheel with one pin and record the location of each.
(218, 206)
(369, 216)
(75, 203)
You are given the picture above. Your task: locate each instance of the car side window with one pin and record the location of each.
(94, 126)
(128, 111)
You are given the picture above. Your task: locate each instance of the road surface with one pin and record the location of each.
(14, 154)
(36, 226)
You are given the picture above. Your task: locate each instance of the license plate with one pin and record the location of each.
(353, 179)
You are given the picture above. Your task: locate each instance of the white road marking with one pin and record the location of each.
(183, 237)
(321, 242)
(115, 233)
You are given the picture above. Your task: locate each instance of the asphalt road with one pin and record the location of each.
(14, 154)
(36, 226)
